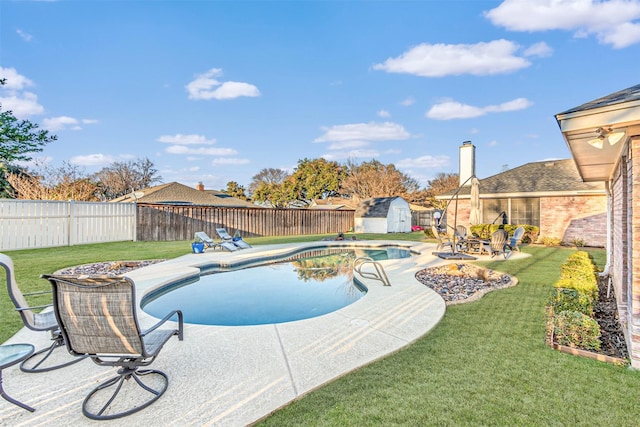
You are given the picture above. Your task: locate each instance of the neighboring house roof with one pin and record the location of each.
(558, 177)
(177, 193)
(332, 203)
(378, 207)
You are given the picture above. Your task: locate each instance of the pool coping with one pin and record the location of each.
(235, 376)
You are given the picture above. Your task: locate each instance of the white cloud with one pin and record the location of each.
(371, 131)
(181, 149)
(93, 160)
(24, 35)
(15, 81)
(352, 154)
(383, 113)
(424, 162)
(408, 102)
(455, 110)
(540, 50)
(612, 22)
(438, 60)
(230, 161)
(60, 123)
(206, 86)
(342, 145)
(181, 139)
(22, 105)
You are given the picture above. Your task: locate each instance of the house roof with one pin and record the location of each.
(558, 177)
(378, 207)
(581, 126)
(177, 193)
(332, 203)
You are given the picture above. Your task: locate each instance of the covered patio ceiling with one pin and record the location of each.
(597, 132)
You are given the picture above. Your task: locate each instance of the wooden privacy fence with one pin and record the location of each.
(181, 222)
(28, 224)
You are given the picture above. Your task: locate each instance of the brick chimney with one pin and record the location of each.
(467, 162)
(200, 186)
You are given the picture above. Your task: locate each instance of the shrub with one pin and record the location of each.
(574, 329)
(484, 231)
(563, 299)
(578, 243)
(551, 241)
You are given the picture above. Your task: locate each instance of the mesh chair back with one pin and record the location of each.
(16, 296)
(222, 232)
(97, 315)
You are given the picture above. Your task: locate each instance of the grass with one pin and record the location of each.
(485, 363)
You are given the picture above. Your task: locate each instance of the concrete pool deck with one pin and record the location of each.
(234, 376)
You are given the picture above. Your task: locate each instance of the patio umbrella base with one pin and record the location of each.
(456, 256)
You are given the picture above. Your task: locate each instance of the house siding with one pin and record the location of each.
(571, 218)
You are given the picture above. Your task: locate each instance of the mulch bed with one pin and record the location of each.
(457, 283)
(112, 268)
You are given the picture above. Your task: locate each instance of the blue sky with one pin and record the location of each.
(215, 91)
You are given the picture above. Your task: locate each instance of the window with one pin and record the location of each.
(519, 211)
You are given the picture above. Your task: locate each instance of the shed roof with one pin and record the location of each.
(377, 207)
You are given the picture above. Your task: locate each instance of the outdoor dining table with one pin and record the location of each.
(10, 354)
(475, 246)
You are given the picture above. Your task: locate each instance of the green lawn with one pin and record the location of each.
(485, 363)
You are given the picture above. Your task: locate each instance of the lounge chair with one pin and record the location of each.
(44, 320)
(97, 317)
(209, 243)
(443, 240)
(516, 239)
(226, 237)
(498, 244)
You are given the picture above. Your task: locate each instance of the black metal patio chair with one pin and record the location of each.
(97, 317)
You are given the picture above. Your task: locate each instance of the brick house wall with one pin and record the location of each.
(566, 218)
(625, 249)
(575, 217)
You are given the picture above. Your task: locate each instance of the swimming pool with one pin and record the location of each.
(298, 286)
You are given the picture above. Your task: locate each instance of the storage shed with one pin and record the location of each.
(383, 215)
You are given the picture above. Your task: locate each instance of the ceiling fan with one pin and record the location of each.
(605, 133)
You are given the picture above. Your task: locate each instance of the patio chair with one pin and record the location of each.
(209, 243)
(226, 237)
(44, 320)
(516, 239)
(443, 240)
(462, 242)
(97, 317)
(498, 244)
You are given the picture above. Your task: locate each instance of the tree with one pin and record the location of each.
(312, 179)
(68, 182)
(442, 183)
(235, 190)
(374, 179)
(267, 176)
(122, 178)
(18, 139)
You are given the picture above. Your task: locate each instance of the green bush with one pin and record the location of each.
(551, 241)
(574, 329)
(484, 231)
(563, 299)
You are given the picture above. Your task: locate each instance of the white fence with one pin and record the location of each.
(27, 224)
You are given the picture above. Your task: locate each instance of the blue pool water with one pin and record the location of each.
(311, 284)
